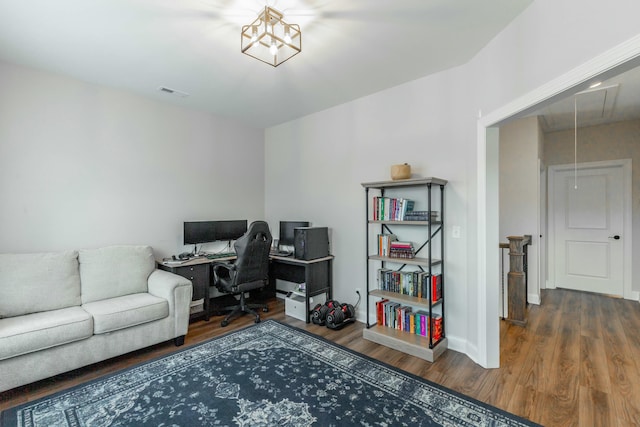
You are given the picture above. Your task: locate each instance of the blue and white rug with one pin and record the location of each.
(269, 374)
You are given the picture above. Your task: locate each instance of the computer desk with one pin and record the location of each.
(316, 274)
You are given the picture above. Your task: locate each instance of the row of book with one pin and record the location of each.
(433, 216)
(389, 246)
(412, 283)
(400, 209)
(391, 209)
(394, 315)
(401, 250)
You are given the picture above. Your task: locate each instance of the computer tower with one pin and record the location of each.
(311, 242)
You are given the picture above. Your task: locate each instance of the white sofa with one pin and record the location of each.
(61, 311)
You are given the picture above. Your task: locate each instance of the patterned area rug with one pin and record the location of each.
(268, 374)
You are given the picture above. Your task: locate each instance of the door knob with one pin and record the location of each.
(616, 237)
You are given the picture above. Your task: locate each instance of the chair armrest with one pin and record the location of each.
(178, 291)
(231, 268)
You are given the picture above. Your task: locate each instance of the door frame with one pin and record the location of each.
(615, 60)
(627, 223)
(543, 246)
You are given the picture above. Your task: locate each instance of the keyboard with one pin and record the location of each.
(221, 255)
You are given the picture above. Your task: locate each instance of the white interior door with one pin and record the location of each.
(589, 228)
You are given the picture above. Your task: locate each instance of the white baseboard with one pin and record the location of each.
(361, 315)
(465, 348)
(457, 344)
(533, 299)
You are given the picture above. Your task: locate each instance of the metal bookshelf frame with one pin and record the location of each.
(435, 229)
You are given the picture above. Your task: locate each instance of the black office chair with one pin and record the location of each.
(249, 272)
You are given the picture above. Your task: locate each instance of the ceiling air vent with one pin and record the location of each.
(173, 92)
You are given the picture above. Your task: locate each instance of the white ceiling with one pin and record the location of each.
(350, 48)
(616, 99)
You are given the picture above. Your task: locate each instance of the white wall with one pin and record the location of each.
(84, 166)
(520, 144)
(315, 166)
(320, 160)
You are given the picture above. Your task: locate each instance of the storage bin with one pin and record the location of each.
(294, 305)
(196, 306)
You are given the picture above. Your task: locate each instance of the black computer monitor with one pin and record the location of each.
(287, 231)
(199, 232)
(230, 230)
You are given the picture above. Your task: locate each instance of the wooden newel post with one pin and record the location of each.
(517, 280)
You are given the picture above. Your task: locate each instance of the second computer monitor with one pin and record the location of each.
(230, 230)
(287, 234)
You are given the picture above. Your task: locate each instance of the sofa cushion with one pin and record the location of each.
(114, 271)
(38, 331)
(28, 282)
(129, 310)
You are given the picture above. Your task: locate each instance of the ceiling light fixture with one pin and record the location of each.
(270, 39)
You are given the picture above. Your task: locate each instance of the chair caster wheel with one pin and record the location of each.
(265, 309)
(257, 319)
(224, 323)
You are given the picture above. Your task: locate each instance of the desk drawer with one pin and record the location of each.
(199, 276)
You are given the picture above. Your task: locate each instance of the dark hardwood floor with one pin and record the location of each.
(575, 363)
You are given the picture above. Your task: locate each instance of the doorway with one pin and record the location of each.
(616, 60)
(589, 225)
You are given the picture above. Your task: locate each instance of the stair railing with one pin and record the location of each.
(517, 282)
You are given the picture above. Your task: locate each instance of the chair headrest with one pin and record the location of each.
(259, 228)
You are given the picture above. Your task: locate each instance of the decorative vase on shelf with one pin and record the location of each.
(402, 171)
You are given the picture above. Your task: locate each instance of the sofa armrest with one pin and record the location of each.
(177, 290)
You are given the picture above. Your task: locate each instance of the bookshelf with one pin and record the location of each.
(392, 282)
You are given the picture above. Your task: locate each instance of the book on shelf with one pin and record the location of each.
(408, 314)
(384, 312)
(401, 250)
(402, 245)
(413, 283)
(423, 290)
(393, 315)
(384, 243)
(390, 313)
(422, 216)
(380, 311)
(421, 323)
(391, 209)
(436, 287)
(436, 327)
(400, 317)
(412, 323)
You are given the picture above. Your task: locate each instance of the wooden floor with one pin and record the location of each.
(576, 363)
